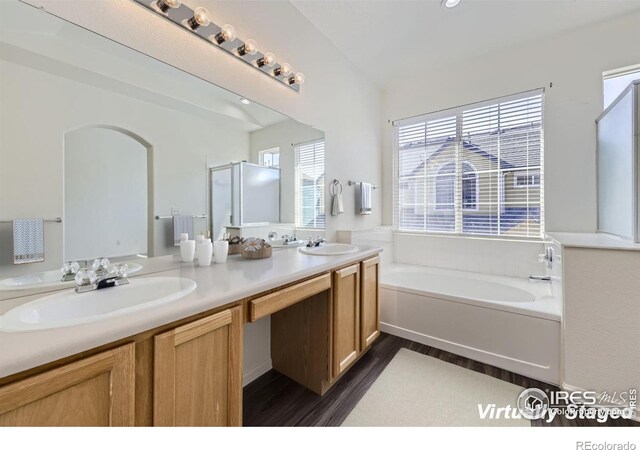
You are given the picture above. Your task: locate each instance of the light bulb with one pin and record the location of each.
(250, 47)
(227, 34)
(269, 59)
(451, 3)
(165, 5)
(297, 79)
(200, 18)
(284, 70)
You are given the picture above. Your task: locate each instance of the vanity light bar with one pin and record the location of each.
(199, 22)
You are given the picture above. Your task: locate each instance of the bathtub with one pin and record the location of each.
(501, 321)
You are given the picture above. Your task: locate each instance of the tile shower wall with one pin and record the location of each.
(490, 256)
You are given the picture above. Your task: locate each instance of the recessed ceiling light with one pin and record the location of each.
(451, 3)
(244, 101)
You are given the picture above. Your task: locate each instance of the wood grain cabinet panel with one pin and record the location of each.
(95, 391)
(369, 302)
(346, 318)
(198, 372)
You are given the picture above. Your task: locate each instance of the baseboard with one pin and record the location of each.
(528, 369)
(255, 372)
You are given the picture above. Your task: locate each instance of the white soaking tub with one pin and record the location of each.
(502, 321)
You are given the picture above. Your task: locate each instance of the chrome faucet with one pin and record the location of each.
(315, 241)
(547, 257)
(104, 276)
(289, 238)
(534, 278)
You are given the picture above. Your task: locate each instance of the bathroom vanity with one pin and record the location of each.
(180, 364)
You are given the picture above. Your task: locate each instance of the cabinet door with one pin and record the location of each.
(95, 391)
(370, 302)
(198, 372)
(346, 317)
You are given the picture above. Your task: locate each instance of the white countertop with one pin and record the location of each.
(218, 285)
(593, 240)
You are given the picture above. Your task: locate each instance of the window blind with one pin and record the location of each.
(475, 170)
(309, 184)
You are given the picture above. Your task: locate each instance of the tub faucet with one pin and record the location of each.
(534, 278)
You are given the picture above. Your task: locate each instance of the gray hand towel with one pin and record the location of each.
(28, 241)
(364, 199)
(182, 224)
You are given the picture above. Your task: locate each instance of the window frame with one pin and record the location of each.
(298, 205)
(398, 191)
(269, 151)
(528, 174)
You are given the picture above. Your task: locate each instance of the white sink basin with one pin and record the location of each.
(68, 308)
(47, 279)
(329, 249)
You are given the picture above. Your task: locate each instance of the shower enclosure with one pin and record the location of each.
(243, 194)
(618, 167)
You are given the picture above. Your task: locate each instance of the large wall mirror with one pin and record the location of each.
(102, 146)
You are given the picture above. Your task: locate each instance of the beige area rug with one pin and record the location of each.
(419, 390)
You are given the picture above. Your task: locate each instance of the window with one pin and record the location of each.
(445, 187)
(270, 158)
(472, 170)
(309, 193)
(616, 81)
(524, 179)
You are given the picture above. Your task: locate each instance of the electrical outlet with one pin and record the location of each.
(175, 211)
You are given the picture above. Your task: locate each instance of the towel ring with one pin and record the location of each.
(334, 188)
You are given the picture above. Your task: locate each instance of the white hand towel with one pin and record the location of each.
(337, 207)
(336, 191)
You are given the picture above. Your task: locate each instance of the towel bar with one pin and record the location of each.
(201, 216)
(56, 220)
(351, 183)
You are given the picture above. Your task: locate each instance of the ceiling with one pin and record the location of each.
(387, 38)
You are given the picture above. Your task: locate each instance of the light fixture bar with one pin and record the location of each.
(216, 35)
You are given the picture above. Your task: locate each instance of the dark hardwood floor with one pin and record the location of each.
(275, 400)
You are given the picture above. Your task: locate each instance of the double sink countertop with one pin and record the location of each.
(218, 285)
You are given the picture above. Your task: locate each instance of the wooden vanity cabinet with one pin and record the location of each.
(94, 391)
(346, 318)
(369, 302)
(198, 372)
(189, 373)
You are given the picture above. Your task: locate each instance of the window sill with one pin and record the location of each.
(468, 236)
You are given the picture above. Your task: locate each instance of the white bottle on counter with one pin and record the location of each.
(187, 250)
(205, 252)
(221, 250)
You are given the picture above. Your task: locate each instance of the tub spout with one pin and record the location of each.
(534, 278)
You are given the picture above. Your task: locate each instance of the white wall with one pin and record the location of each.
(105, 194)
(574, 63)
(336, 97)
(282, 135)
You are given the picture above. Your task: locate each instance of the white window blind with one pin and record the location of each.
(476, 169)
(309, 193)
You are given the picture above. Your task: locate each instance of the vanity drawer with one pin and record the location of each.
(270, 303)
